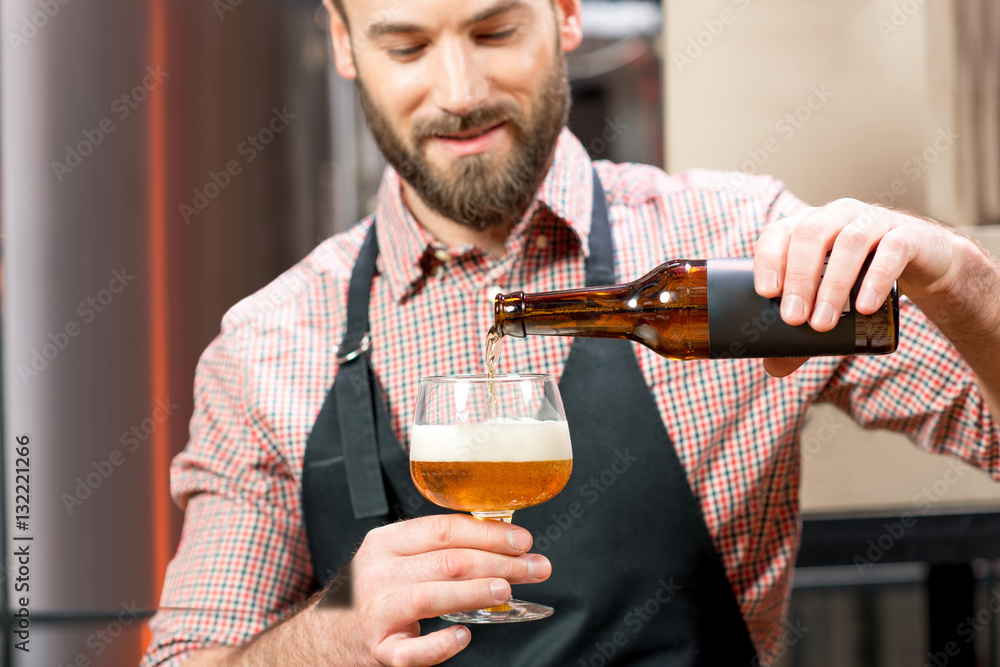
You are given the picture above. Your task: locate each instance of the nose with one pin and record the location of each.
(461, 85)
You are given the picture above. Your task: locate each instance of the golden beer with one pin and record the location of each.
(502, 465)
(489, 486)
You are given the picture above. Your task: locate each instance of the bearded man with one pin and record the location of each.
(674, 541)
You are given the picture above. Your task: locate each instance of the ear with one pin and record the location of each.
(340, 37)
(570, 23)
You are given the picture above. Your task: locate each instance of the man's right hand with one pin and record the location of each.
(403, 572)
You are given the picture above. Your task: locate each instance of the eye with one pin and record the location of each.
(406, 52)
(498, 36)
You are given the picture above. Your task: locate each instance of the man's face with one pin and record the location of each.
(465, 98)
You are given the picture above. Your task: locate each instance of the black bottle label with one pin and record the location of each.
(741, 323)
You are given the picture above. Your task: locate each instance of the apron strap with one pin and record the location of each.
(354, 393)
(356, 341)
(601, 261)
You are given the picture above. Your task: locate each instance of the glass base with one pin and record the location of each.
(514, 611)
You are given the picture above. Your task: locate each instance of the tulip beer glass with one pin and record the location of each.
(489, 447)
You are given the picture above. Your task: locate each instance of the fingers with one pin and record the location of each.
(431, 649)
(783, 366)
(868, 227)
(429, 566)
(434, 598)
(791, 254)
(450, 531)
(460, 564)
(772, 249)
(807, 249)
(427, 600)
(894, 253)
(409, 588)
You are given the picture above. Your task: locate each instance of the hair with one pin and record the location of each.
(339, 6)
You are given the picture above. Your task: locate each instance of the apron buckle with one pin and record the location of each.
(363, 347)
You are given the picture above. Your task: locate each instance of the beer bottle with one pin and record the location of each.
(697, 309)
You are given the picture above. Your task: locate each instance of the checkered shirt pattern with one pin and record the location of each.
(243, 562)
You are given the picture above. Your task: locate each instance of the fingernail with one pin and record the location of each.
(499, 589)
(867, 300)
(823, 315)
(518, 540)
(768, 281)
(539, 567)
(792, 307)
(463, 635)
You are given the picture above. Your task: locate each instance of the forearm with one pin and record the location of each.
(967, 311)
(292, 642)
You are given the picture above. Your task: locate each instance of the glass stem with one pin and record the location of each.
(503, 515)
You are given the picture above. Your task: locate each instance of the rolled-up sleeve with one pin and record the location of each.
(925, 390)
(242, 563)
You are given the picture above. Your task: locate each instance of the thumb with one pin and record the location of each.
(783, 366)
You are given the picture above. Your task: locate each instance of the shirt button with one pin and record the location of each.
(541, 241)
(442, 255)
(491, 293)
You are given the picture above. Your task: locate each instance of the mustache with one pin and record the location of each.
(477, 118)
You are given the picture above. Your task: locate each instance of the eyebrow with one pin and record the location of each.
(495, 10)
(379, 28)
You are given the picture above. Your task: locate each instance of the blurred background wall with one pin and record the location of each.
(162, 159)
(842, 100)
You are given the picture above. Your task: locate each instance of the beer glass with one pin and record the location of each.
(489, 447)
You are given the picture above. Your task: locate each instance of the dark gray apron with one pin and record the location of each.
(636, 579)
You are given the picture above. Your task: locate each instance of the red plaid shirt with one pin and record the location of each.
(243, 563)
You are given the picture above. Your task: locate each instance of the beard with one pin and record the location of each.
(480, 191)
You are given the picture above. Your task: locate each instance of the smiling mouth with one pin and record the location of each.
(469, 134)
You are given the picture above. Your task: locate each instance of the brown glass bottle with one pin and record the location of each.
(696, 309)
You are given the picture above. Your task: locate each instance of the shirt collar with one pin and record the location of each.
(404, 245)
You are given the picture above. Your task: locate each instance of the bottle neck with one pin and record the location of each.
(580, 312)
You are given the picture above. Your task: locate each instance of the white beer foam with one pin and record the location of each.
(501, 440)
